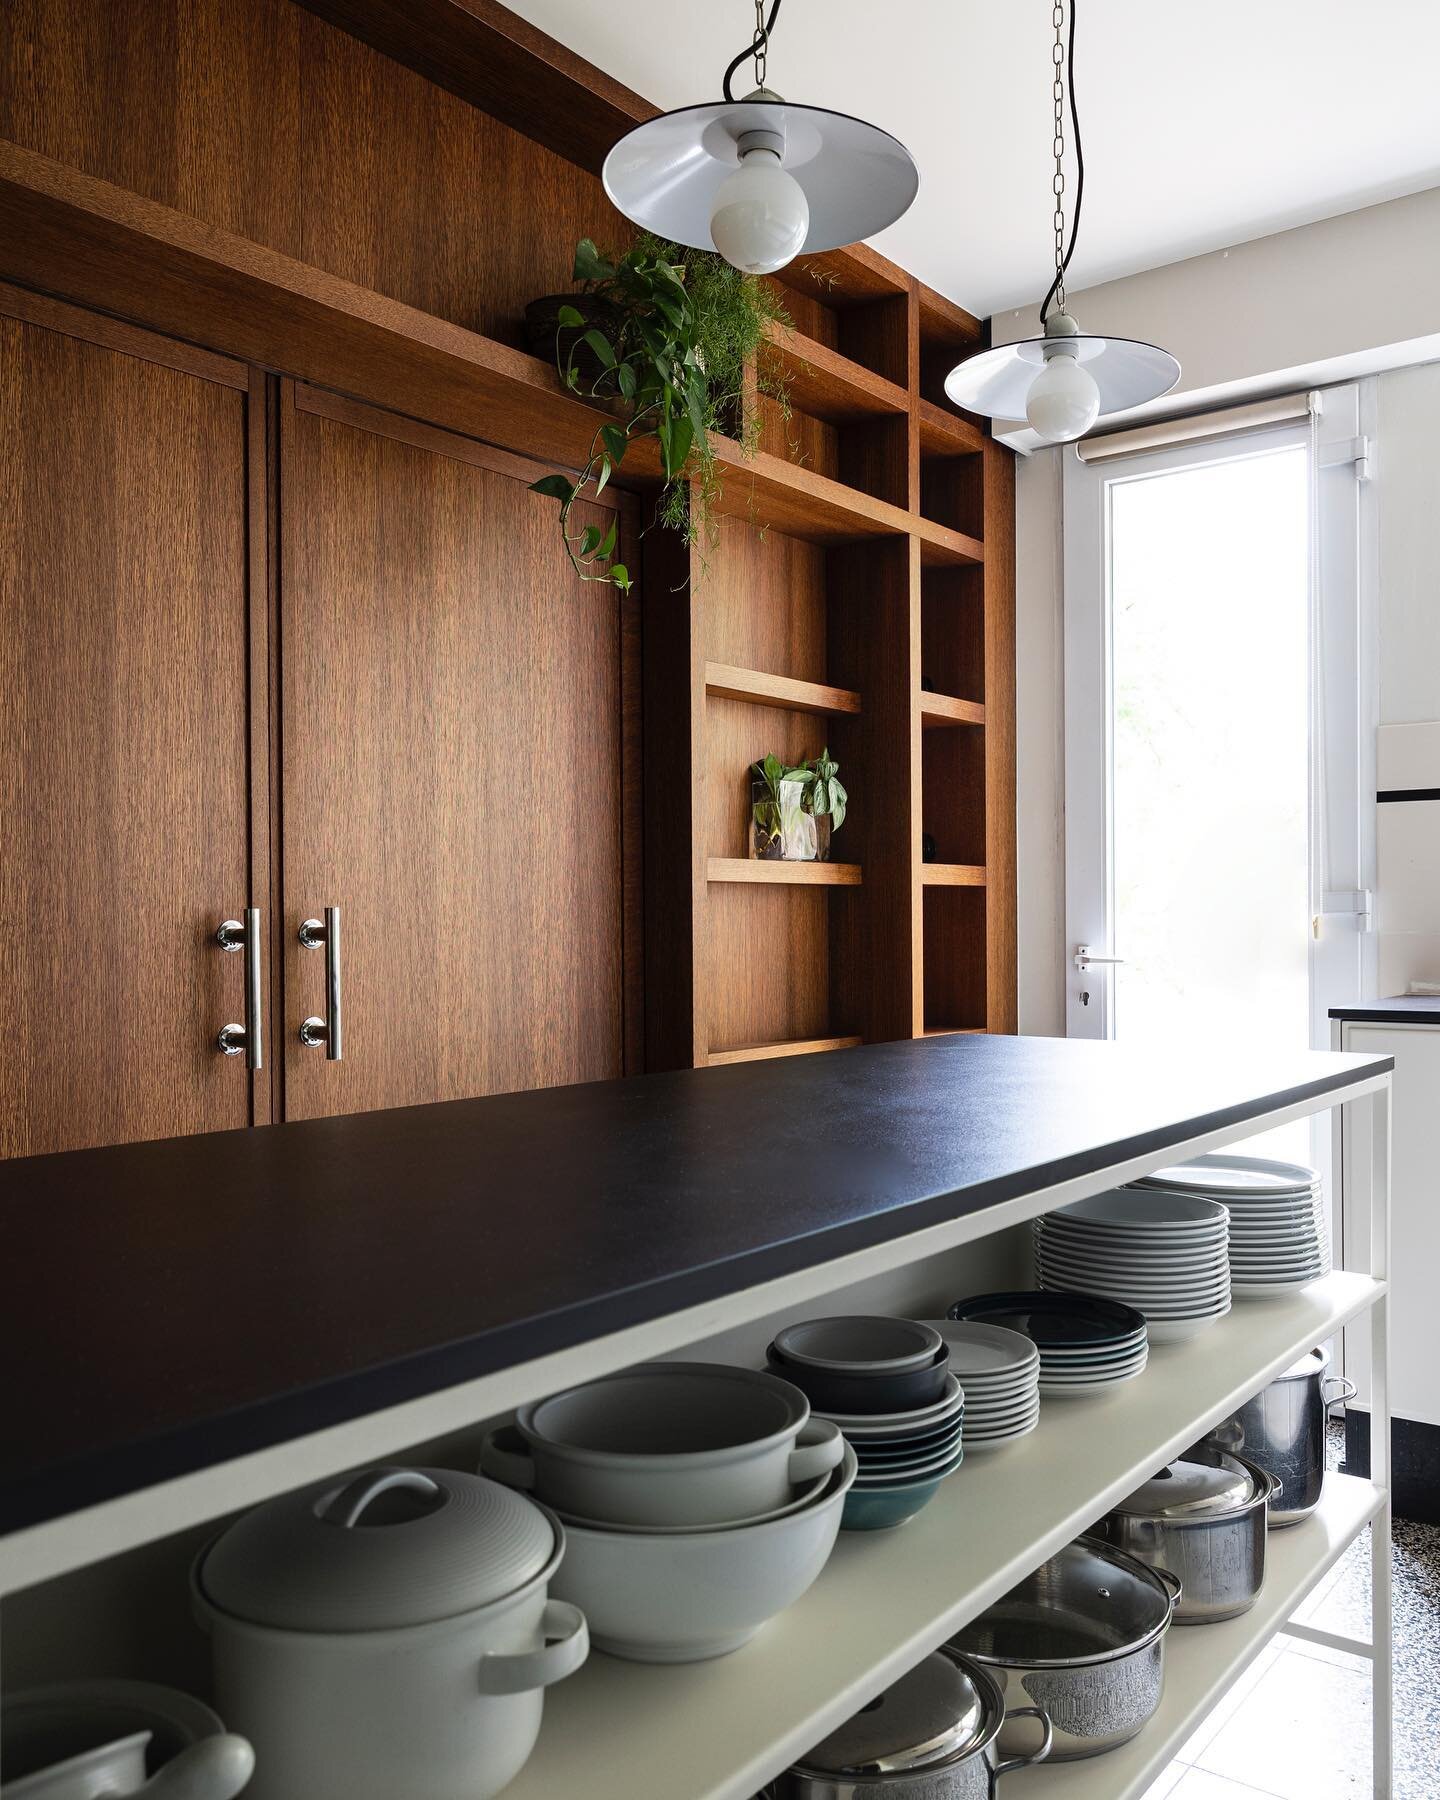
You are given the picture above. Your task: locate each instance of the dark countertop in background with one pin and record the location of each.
(1412, 1009)
(166, 1306)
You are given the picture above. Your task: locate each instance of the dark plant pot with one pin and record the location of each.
(542, 327)
(831, 1391)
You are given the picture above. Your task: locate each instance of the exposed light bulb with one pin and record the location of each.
(760, 216)
(1063, 402)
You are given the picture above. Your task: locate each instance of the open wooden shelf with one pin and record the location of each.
(830, 386)
(954, 1031)
(940, 547)
(792, 874)
(786, 1047)
(938, 711)
(952, 875)
(101, 245)
(945, 433)
(759, 689)
(720, 1730)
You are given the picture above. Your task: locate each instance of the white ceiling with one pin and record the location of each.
(1204, 125)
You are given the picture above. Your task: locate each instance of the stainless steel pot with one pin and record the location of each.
(1201, 1519)
(1282, 1429)
(933, 1735)
(1083, 1637)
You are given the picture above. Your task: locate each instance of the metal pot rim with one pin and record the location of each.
(994, 1700)
(1267, 1488)
(1133, 1565)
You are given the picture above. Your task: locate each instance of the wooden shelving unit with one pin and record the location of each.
(792, 1047)
(942, 710)
(952, 874)
(758, 689)
(784, 874)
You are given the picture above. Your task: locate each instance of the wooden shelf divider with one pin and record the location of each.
(760, 689)
(944, 433)
(952, 875)
(792, 874)
(941, 710)
(786, 1047)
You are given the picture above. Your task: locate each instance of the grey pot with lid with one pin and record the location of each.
(1282, 1428)
(392, 1634)
(932, 1735)
(1083, 1637)
(1202, 1518)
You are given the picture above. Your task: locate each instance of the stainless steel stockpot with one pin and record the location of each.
(1083, 1637)
(933, 1735)
(1202, 1519)
(1282, 1429)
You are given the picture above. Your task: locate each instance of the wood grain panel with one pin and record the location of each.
(452, 752)
(763, 603)
(952, 632)
(123, 742)
(955, 958)
(793, 1047)
(953, 765)
(753, 871)
(259, 118)
(761, 689)
(999, 590)
(767, 965)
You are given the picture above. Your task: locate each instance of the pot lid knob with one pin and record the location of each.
(931, 1714)
(1204, 1483)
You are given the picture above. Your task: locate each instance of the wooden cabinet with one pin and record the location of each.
(454, 769)
(124, 730)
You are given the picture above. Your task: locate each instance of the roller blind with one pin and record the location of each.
(1285, 409)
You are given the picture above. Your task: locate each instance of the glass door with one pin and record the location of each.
(1214, 888)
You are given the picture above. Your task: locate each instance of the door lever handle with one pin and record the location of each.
(328, 1031)
(1085, 958)
(249, 1037)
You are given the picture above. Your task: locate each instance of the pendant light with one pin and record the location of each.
(1065, 379)
(760, 179)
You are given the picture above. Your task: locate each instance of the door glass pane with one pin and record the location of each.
(1209, 619)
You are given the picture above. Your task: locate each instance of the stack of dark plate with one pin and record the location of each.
(1086, 1344)
(887, 1384)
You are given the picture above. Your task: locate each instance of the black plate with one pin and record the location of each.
(1055, 1321)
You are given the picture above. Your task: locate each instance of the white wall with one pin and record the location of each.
(1324, 303)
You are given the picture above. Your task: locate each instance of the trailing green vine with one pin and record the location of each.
(667, 335)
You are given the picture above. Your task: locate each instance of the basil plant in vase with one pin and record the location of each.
(663, 336)
(795, 811)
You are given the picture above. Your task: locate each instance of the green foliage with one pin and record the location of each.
(821, 792)
(673, 331)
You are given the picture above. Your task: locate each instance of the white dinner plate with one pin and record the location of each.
(980, 1352)
(1124, 1209)
(1119, 1351)
(1176, 1331)
(1233, 1174)
(978, 1446)
(1257, 1290)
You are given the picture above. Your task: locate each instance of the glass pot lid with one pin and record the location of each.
(387, 1548)
(937, 1712)
(1202, 1484)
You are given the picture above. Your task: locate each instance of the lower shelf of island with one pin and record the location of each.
(721, 1730)
(1201, 1661)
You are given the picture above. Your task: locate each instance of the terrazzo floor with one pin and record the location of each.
(1296, 1726)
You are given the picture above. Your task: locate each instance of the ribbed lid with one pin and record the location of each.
(934, 1712)
(1200, 1485)
(388, 1548)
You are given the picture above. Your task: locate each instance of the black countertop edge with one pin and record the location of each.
(1410, 1009)
(126, 1467)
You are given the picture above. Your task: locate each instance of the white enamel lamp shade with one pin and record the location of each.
(856, 178)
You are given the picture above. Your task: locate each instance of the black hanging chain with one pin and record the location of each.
(1062, 255)
(757, 47)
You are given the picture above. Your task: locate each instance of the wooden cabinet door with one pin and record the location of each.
(457, 770)
(124, 730)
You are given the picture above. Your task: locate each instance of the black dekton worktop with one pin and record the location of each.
(165, 1306)
(1402, 1009)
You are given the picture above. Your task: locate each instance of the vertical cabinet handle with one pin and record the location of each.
(329, 1031)
(234, 935)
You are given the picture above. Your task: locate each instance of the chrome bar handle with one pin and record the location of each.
(329, 1031)
(250, 1037)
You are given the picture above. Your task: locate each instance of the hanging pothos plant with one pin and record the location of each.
(668, 334)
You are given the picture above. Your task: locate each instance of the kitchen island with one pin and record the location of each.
(248, 1311)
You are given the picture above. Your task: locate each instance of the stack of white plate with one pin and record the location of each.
(1279, 1239)
(1164, 1253)
(1000, 1373)
(1086, 1344)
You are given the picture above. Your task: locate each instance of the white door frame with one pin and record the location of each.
(1344, 657)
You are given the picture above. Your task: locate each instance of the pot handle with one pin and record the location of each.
(504, 1458)
(1036, 1756)
(521, 1671)
(1170, 1581)
(1345, 1388)
(214, 1768)
(346, 1507)
(819, 1449)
